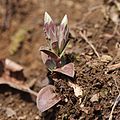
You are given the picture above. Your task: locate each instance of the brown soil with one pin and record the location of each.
(91, 73)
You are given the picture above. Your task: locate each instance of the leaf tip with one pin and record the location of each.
(64, 20)
(47, 18)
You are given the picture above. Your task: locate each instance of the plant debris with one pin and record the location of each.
(12, 75)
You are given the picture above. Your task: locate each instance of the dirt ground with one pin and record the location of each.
(92, 73)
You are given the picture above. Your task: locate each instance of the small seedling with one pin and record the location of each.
(53, 55)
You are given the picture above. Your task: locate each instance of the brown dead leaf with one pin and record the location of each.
(77, 89)
(95, 97)
(12, 74)
(47, 98)
(12, 66)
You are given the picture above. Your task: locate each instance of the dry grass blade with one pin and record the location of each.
(83, 35)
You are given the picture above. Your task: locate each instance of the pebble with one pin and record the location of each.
(37, 117)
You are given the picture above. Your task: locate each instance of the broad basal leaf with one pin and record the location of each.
(47, 98)
(67, 69)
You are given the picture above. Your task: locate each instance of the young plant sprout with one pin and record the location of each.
(53, 55)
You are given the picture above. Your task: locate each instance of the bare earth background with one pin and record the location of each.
(27, 15)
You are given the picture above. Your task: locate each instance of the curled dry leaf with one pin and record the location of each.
(9, 76)
(47, 98)
(77, 89)
(67, 69)
(10, 65)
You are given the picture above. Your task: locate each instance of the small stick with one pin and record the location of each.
(113, 67)
(91, 45)
(115, 103)
(117, 99)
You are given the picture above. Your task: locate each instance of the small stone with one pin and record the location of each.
(66, 100)
(89, 34)
(23, 104)
(96, 26)
(104, 49)
(37, 117)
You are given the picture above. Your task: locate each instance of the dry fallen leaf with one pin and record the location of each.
(106, 58)
(77, 89)
(95, 97)
(47, 98)
(10, 65)
(12, 74)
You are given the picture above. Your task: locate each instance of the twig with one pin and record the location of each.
(117, 99)
(83, 35)
(113, 67)
(115, 103)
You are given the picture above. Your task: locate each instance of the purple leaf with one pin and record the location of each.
(67, 69)
(50, 28)
(44, 57)
(47, 98)
(48, 61)
(49, 53)
(63, 33)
